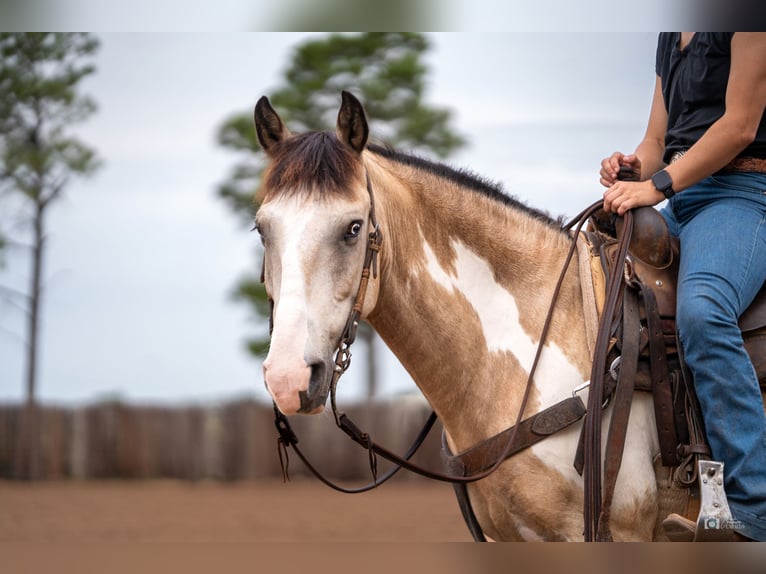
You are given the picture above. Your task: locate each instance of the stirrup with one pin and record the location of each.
(714, 522)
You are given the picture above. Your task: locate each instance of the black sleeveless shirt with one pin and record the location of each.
(694, 84)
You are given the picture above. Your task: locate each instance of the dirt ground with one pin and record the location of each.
(263, 511)
(167, 527)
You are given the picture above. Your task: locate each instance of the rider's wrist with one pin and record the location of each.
(663, 183)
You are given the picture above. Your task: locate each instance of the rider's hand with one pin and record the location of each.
(610, 167)
(625, 195)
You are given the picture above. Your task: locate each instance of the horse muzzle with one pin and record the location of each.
(300, 389)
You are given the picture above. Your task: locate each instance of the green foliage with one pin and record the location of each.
(329, 15)
(39, 74)
(385, 70)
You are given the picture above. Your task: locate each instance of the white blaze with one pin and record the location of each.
(285, 369)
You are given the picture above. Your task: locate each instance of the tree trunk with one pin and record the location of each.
(31, 420)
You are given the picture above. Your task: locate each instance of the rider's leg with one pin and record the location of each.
(721, 223)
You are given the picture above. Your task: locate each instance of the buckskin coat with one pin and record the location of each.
(465, 283)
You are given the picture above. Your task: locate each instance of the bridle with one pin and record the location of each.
(287, 437)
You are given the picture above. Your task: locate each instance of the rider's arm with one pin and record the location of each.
(722, 142)
(737, 127)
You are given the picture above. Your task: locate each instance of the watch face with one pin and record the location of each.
(663, 182)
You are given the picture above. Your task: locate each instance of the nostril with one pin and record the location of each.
(317, 376)
(315, 395)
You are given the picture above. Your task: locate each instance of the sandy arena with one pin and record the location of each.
(263, 511)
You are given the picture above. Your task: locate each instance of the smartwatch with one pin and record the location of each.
(664, 183)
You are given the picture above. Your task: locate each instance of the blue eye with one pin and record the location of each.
(354, 229)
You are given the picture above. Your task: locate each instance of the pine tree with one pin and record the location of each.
(39, 78)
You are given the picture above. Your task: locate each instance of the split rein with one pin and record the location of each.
(287, 437)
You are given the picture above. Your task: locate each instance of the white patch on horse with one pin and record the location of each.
(529, 535)
(500, 321)
(499, 315)
(292, 293)
(285, 369)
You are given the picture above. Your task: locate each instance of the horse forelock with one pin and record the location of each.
(314, 162)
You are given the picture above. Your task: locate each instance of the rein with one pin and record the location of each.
(288, 438)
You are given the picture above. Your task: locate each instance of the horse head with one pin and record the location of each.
(313, 219)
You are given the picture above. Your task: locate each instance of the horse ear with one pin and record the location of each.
(352, 126)
(268, 125)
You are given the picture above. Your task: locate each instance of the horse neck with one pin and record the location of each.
(466, 282)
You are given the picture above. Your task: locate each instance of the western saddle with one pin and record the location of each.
(649, 272)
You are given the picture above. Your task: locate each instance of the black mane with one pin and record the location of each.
(466, 179)
(319, 161)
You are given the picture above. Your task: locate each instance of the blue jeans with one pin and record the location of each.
(721, 223)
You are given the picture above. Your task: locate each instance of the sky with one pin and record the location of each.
(143, 256)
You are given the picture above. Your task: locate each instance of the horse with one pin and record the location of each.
(464, 281)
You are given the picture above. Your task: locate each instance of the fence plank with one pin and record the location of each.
(231, 441)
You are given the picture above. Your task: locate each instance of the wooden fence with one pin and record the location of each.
(231, 441)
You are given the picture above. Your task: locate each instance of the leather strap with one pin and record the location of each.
(530, 431)
(623, 397)
(454, 465)
(695, 443)
(288, 438)
(755, 164)
(661, 390)
(596, 396)
(482, 456)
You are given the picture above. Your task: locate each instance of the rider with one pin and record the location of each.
(705, 151)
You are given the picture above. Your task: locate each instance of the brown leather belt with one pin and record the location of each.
(755, 164)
